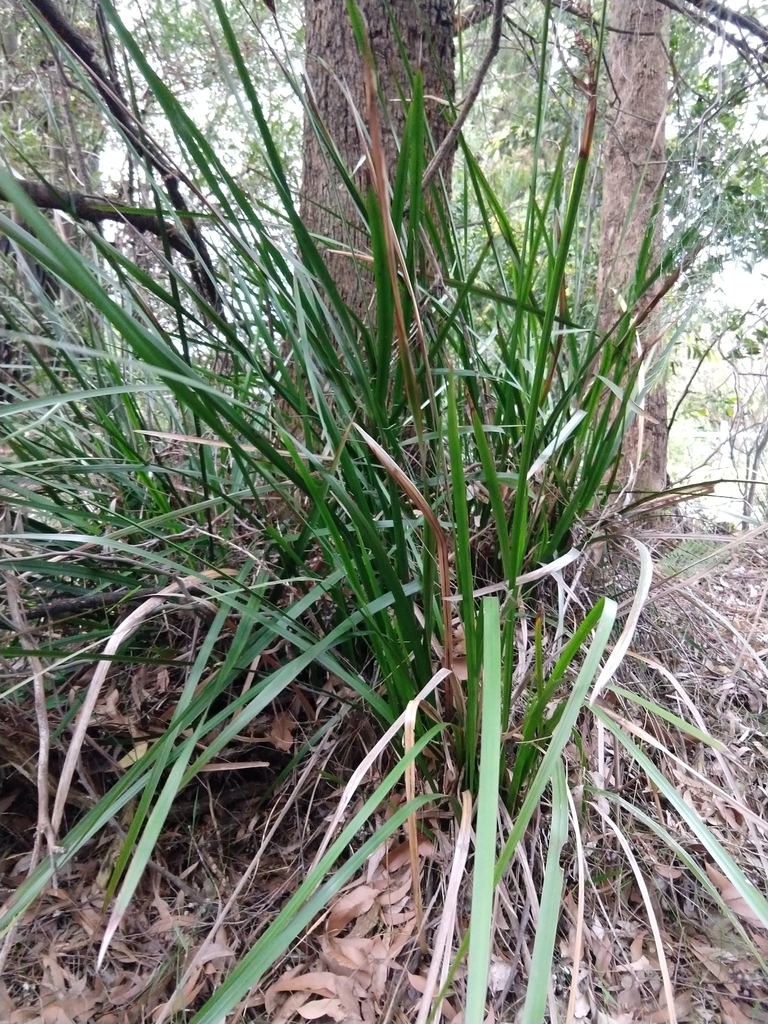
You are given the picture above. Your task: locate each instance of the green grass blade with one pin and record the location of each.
(540, 977)
(483, 885)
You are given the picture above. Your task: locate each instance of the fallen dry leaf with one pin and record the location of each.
(390, 898)
(733, 1014)
(500, 974)
(732, 898)
(667, 871)
(399, 856)
(582, 1008)
(317, 1008)
(349, 906)
(630, 997)
(281, 732)
(348, 956)
(731, 815)
(128, 991)
(683, 1010)
(601, 948)
(636, 948)
(320, 983)
(708, 955)
(446, 1009)
(55, 1014)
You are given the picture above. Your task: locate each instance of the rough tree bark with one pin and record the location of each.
(422, 31)
(634, 160)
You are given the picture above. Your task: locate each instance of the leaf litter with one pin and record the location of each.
(364, 949)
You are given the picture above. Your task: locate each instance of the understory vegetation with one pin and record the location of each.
(342, 677)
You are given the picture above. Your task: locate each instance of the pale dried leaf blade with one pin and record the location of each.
(351, 906)
(732, 898)
(329, 1008)
(638, 603)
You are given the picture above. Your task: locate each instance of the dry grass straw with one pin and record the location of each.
(126, 629)
(441, 945)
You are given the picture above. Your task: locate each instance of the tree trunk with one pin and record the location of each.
(422, 32)
(634, 161)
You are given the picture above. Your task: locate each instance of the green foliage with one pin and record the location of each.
(716, 150)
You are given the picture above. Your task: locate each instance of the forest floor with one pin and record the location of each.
(238, 843)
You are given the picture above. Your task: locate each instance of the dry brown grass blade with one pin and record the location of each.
(729, 798)
(123, 631)
(677, 583)
(578, 942)
(588, 130)
(380, 179)
(744, 644)
(41, 714)
(359, 773)
(438, 969)
(621, 646)
(652, 919)
(718, 749)
(44, 827)
(415, 496)
(409, 738)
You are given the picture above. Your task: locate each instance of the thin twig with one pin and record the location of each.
(44, 827)
(417, 498)
(447, 145)
(41, 713)
(689, 385)
(723, 13)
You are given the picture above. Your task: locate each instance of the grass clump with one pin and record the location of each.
(250, 537)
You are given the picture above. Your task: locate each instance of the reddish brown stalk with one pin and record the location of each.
(415, 496)
(563, 302)
(666, 286)
(588, 131)
(381, 187)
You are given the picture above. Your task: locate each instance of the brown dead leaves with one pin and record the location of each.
(621, 963)
(366, 929)
(60, 936)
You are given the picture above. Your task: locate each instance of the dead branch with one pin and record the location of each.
(97, 210)
(111, 93)
(708, 14)
(446, 146)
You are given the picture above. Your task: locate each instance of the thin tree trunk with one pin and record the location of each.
(634, 162)
(405, 35)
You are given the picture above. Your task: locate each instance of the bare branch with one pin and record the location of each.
(109, 90)
(723, 13)
(709, 14)
(446, 146)
(96, 210)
